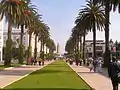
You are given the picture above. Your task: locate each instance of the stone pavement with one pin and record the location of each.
(9, 76)
(95, 80)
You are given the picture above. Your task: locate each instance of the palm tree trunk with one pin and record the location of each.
(46, 50)
(80, 46)
(41, 46)
(29, 47)
(107, 51)
(78, 43)
(94, 40)
(83, 49)
(21, 45)
(9, 29)
(8, 44)
(43, 49)
(22, 33)
(35, 49)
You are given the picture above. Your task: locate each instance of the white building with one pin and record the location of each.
(16, 36)
(1, 40)
(100, 47)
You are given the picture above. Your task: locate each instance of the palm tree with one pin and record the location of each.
(92, 15)
(37, 32)
(108, 6)
(31, 28)
(11, 10)
(70, 46)
(52, 46)
(44, 35)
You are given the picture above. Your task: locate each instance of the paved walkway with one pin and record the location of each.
(95, 80)
(11, 75)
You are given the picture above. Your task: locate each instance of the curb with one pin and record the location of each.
(80, 77)
(8, 68)
(24, 75)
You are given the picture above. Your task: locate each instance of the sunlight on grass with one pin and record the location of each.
(56, 76)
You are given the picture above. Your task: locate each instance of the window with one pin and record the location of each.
(24, 38)
(98, 47)
(89, 49)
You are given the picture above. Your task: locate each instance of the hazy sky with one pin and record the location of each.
(60, 16)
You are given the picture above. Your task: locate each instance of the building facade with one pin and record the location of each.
(1, 40)
(16, 38)
(100, 47)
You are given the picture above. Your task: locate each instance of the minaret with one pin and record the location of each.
(58, 48)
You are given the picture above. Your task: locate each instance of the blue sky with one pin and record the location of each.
(60, 16)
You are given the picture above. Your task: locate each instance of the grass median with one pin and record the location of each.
(56, 76)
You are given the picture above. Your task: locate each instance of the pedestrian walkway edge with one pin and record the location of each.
(25, 75)
(80, 76)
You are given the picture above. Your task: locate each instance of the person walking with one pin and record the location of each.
(113, 70)
(91, 65)
(95, 65)
(99, 65)
(39, 61)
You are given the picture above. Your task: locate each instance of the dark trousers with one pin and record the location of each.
(95, 68)
(39, 63)
(114, 83)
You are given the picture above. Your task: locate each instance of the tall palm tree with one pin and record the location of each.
(52, 46)
(11, 10)
(69, 47)
(92, 15)
(31, 28)
(44, 35)
(37, 32)
(109, 4)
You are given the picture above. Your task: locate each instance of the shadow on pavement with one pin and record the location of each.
(45, 89)
(87, 72)
(103, 72)
(15, 72)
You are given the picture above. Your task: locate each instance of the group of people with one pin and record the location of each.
(113, 69)
(33, 61)
(71, 61)
(95, 65)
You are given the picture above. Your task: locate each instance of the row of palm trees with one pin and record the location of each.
(94, 16)
(23, 14)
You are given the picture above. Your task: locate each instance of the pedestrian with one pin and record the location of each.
(99, 65)
(42, 61)
(113, 70)
(95, 65)
(35, 61)
(39, 61)
(90, 65)
(29, 61)
(80, 62)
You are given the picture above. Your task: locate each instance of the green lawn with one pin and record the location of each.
(56, 76)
